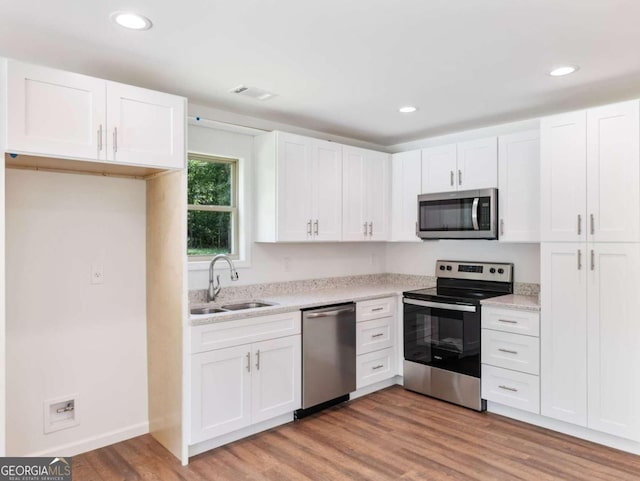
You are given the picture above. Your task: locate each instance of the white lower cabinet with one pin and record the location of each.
(589, 334)
(235, 387)
(375, 341)
(511, 357)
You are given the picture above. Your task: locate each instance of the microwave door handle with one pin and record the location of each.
(474, 213)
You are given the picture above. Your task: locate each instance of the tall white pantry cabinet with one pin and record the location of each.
(590, 256)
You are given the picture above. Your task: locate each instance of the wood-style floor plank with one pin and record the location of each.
(390, 435)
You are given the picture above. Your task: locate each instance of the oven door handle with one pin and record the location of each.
(474, 213)
(441, 305)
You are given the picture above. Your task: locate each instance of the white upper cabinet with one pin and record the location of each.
(53, 113)
(145, 127)
(463, 166)
(365, 194)
(406, 176)
(590, 176)
(519, 187)
(439, 169)
(613, 173)
(298, 191)
(478, 164)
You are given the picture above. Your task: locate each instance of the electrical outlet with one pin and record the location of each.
(97, 274)
(287, 264)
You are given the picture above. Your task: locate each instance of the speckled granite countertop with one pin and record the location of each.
(514, 301)
(312, 298)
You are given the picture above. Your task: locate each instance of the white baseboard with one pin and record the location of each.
(565, 428)
(94, 442)
(376, 387)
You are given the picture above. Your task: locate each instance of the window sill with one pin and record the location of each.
(204, 265)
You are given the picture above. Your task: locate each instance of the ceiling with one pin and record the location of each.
(345, 66)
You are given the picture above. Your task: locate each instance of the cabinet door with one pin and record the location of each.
(327, 191)
(563, 177)
(406, 174)
(563, 332)
(377, 195)
(145, 127)
(294, 188)
(439, 166)
(55, 113)
(613, 172)
(478, 164)
(353, 194)
(220, 390)
(276, 384)
(519, 187)
(613, 333)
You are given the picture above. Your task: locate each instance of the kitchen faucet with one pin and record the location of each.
(215, 290)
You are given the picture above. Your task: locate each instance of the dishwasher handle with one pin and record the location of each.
(314, 315)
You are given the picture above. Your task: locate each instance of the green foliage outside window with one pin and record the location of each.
(211, 194)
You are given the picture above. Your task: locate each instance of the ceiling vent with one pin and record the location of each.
(252, 92)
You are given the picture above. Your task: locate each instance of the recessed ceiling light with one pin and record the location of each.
(132, 21)
(565, 70)
(407, 109)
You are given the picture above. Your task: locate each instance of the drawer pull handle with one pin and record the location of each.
(380, 334)
(377, 309)
(379, 366)
(508, 321)
(507, 388)
(507, 351)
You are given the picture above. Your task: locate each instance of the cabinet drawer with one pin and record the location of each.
(244, 331)
(511, 320)
(375, 309)
(374, 335)
(511, 351)
(511, 388)
(375, 366)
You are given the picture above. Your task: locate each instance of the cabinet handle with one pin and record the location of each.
(579, 224)
(365, 228)
(100, 139)
(249, 361)
(377, 309)
(380, 334)
(509, 321)
(592, 227)
(459, 177)
(115, 139)
(258, 359)
(309, 227)
(593, 260)
(501, 226)
(370, 228)
(579, 259)
(379, 366)
(316, 227)
(507, 351)
(507, 388)
(451, 178)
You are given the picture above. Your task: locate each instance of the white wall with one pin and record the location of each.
(66, 336)
(275, 262)
(420, 258)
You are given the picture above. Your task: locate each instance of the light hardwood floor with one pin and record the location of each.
(390, 435)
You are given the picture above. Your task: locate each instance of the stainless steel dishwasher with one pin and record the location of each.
(328, 356)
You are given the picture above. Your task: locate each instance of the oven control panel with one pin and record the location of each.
(481, 271)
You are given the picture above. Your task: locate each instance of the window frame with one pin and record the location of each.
(233, 208)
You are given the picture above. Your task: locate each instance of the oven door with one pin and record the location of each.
(442, 335)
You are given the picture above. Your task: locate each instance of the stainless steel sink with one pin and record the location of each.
(207, 310)
(245, 305)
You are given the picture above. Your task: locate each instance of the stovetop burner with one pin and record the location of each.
(452, 295)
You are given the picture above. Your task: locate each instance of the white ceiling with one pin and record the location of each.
(345, 66)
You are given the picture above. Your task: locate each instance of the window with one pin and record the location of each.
(212, 198)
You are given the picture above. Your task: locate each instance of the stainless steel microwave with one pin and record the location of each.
(469, 214)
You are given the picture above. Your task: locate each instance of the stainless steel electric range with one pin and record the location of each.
(442, 330)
